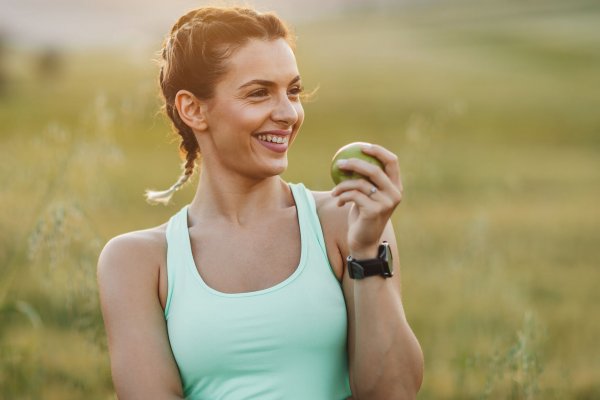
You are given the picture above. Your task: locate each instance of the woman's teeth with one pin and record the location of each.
(273, 138)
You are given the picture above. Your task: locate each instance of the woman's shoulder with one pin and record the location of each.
(140, 242)
(135, 252)
(333, 218)
(327, 206)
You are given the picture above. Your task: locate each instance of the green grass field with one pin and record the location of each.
(492, 108)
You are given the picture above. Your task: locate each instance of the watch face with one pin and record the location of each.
(387, 256)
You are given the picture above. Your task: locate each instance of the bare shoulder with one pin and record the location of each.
(137, 257)
(136, 247)
(144, 239)
(334, 219)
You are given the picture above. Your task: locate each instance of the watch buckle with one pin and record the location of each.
(357, 270)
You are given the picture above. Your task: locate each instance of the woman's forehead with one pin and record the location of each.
(271, 60)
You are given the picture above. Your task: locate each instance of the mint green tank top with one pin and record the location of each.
(285, 342)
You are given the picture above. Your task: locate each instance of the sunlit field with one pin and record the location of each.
(492, 109)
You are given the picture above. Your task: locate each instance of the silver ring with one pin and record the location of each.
(372, 191)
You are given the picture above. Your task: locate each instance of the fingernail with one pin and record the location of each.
(341, 163)
(367, 146)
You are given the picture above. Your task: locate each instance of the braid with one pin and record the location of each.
(189, 147)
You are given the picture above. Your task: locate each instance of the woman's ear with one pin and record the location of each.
(191, 110)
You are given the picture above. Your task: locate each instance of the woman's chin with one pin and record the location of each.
(277, 168)
(280, 170)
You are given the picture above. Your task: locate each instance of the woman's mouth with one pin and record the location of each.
(273, 138)
(276, 143)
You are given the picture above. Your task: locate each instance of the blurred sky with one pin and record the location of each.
(85, 23)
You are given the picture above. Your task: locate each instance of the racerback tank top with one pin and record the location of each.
(285, 342)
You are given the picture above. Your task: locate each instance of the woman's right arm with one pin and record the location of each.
(142, 364)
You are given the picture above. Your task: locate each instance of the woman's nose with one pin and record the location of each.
(285, 111)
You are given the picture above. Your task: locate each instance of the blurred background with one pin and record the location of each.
(491, 106)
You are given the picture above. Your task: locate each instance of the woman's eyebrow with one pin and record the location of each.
(263, 82)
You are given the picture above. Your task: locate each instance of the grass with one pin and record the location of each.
(491, 107)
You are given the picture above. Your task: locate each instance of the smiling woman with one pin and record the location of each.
(243, 293)
(219, 32)
(268, 107)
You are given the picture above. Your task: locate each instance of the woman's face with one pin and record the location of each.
(255, 113)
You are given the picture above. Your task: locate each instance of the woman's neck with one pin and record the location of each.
(237, 200)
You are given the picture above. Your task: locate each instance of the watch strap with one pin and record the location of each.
(359, 269)
(365, 268)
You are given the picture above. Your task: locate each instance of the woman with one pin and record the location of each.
(244, 293)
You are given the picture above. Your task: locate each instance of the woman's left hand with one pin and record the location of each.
(373, 202)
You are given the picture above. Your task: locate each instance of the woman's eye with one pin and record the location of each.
(259, 93)
(296, 91)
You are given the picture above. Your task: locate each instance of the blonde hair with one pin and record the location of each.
(193, 57)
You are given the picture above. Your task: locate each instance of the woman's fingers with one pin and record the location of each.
(389, 160)
(375, 175)
(369, 171)
(357, 196)
(362, 185)
(371, 195)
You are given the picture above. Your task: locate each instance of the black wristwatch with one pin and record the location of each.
(382, 265)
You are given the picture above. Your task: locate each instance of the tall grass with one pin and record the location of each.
(49, 297)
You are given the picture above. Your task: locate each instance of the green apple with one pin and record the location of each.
(352, 150)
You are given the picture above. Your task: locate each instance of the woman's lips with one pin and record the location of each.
(276, 147)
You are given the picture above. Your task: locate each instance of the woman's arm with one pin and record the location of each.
(142, 364)
(385, 358)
